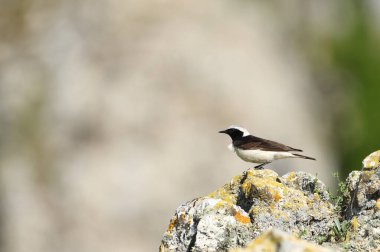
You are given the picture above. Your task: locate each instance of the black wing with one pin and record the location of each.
(257, 143)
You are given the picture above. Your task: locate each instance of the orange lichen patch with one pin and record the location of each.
(277, 196)
(172, 224)
(183, 217)
(241, 218)
(354, 223)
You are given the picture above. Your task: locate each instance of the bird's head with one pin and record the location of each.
(235, 132)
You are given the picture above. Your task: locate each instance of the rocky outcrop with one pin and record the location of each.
(296, 203)
(207, 224)
(361, 206)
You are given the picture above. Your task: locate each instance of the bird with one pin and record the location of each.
(259, 150)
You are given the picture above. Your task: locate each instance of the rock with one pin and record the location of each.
(276, 240)
(372, 161)
(207, 224)
(250, 204)
(296, 204)
(364, 234)
(307, 183)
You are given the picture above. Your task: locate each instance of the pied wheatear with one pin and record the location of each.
(258, 150)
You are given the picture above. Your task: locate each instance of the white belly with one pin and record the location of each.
(259, 156)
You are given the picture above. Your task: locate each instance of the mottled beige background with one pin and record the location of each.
(110, 111)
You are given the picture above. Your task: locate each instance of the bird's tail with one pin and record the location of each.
(302, 156)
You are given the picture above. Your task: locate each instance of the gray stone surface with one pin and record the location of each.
(297, 203)
(364, 234)
(278, 241)
(207, 224)
(249, 205)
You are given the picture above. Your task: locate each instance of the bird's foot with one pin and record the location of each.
(261, 166)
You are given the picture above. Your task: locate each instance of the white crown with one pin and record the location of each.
(245, 132)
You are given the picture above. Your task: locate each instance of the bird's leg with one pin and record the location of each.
(261, 166)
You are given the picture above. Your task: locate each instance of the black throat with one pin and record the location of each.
(235, 134)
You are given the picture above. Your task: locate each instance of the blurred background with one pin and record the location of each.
(109, 110)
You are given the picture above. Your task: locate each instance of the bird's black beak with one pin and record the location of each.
(223, 131)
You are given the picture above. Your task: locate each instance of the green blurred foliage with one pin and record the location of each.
(357, 55)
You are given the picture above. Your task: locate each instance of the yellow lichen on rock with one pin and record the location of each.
(246, 188)
(221, 204)
(354, 223)
(265, 173)
(298, 202)
(273, 239)
(372, 160)
(278, 214)
(255, 201)
(291, 176)
(235, 179)
(263, 183)
(224, 193)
